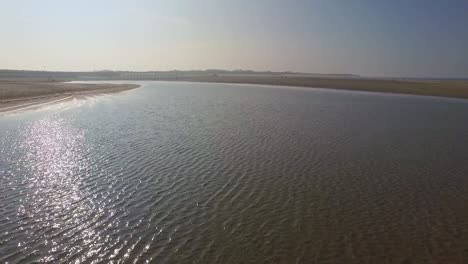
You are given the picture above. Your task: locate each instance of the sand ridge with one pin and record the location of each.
(16, 94)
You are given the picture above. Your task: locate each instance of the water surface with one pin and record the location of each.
(220, 173)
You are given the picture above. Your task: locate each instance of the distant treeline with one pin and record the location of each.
(54, 75)
(102, 75)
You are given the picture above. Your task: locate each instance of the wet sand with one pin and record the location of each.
(16, 94)
(443, 88)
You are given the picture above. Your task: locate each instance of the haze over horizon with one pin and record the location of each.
(392, 38)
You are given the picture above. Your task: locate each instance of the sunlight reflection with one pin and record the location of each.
(61, 212)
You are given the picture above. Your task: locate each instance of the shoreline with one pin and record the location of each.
(15, 94)
(20, 94)
(438, 88)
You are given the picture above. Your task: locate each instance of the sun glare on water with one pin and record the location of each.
(54, 201)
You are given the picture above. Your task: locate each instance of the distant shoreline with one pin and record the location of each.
(426, 87)
(29, 91)
(23, 94)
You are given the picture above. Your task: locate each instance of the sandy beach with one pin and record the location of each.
(443, 88)
(15, 94)
(25, 92)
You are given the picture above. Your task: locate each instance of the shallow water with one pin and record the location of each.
(219, 173)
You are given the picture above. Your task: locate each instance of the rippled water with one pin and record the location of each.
(218, 173)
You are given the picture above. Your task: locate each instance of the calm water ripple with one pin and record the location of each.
(218, 173)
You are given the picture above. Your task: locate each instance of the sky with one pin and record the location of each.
(398, 38)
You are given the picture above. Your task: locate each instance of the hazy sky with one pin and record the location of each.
(369, 37)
